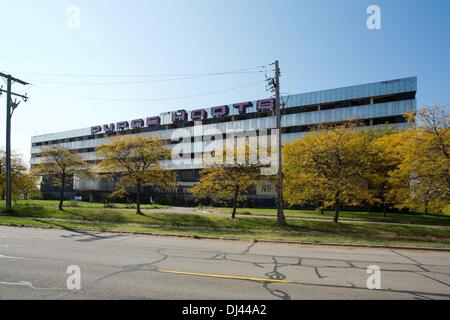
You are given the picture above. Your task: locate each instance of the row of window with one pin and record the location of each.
(181, 176)
(290, 110)
(82, 150)
(286, 130)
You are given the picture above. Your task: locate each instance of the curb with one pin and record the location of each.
(308, 243)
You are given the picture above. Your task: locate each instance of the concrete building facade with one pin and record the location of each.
(371, 104)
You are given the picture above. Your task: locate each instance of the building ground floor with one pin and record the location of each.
(263, 195)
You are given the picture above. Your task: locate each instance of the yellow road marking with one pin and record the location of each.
(222, 276)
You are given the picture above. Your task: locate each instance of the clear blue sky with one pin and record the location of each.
(320, 44)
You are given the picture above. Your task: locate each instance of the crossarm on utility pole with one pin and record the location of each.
(8, 76)
(15, 94)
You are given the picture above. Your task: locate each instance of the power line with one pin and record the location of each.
(138, 75)
(143, 81)
(146, 100)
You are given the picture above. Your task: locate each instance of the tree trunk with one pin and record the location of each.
(426, 206)
(138, 198)
(384, 210)
(336, 211)
(61, 192)
(236, 193)
(319, 209)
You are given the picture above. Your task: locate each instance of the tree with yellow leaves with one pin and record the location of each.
(22, 181)
(24, 185)
(422, 177)
(326, 165)
(18, 168)
(379, 164)
(136, 160)
(59, 165)
(224, 181)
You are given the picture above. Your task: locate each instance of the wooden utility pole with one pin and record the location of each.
(281, 219)
(10, 106)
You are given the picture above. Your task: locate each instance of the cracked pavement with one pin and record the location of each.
(33, 264)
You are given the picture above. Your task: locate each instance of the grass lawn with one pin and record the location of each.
(95, 217)
(55, 203)
(438, 220)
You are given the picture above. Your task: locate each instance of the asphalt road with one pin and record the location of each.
(34, 262)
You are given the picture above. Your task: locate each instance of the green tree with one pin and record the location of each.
(59, 165)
